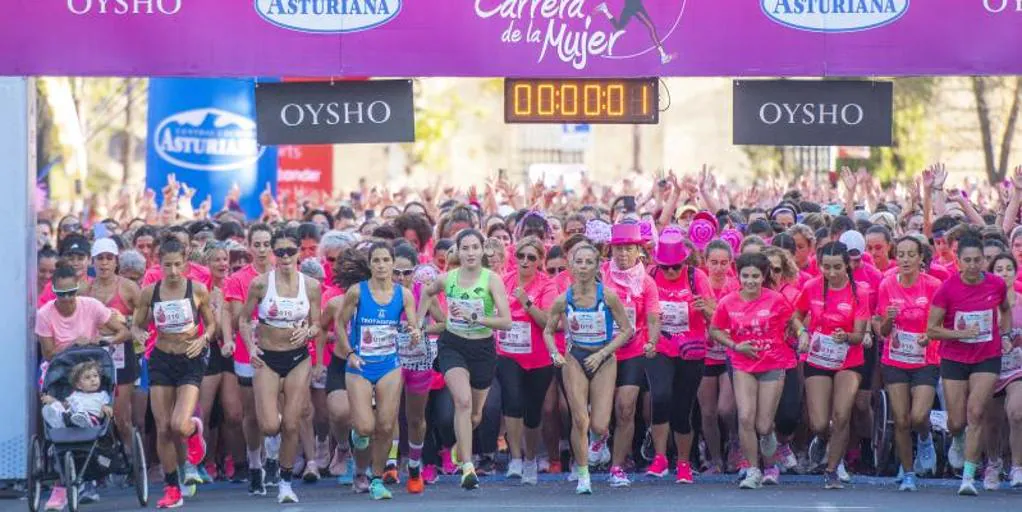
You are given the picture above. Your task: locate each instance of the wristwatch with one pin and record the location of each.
(474, 318)
(528, 304)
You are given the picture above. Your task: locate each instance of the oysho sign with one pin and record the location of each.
(834, 15)
(376, 111)
(328, 16)
(207, 139)
(813, 113)
(124, 7)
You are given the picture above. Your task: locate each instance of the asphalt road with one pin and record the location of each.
(716, 494)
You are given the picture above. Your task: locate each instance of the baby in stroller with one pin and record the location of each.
(87, 404)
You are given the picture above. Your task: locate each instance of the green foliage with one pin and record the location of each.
(907, 157)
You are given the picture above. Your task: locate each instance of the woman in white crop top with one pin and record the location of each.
(287, 304)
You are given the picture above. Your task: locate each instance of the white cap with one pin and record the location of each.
(104, 246)
(854, 241)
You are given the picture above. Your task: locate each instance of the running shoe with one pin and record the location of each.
(743, 468)
(390, 475)
(87, 493)
(817, 453)
(196, 443)
(544, 463)
(1016, 477)
(447, 459)
(768, 445)
(683, 473)
(659, 467)
(514, 469)
(336, 466)
(771, 475)
(786, 458)
(713, 469)
(347, 476)
(900, 476)
(573, 474)
(734, 457)
(599, 453)
(584, 486)
(602, 9)
(992, 475)
(57, 500)
(554, 468)
(360, 484)
(530, 473)
(618, 477)
(206, 471)
(311, 473)
(378, 491)
(908, 484)
(285, 494)
(171, 497)
(831, 480)
(256, 484)
(926, 457)
(753, 479)
(416, 483)
(486, 465)
(968, 488)
(429, 474)
(469, 480)
(272, 467)
(666, 58)
(322, 452)
(231, 473)
(190, 474)
(842, 473)
(956, 455)
(189, 490)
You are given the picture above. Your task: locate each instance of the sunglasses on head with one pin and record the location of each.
(285, 252)
(555, 270)
(531, 257)
(70, 292)
(404, 272)
(675, 268)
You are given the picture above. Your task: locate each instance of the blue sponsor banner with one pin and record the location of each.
(203, 131)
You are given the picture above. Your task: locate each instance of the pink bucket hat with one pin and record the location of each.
(670, 250)
(625, 234)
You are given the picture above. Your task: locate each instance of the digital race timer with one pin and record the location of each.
(595, 101)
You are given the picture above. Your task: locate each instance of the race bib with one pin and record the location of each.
(717, 352)
(173, 316)
(827, 353)
(630, 312)
(117, 353)
(517, 340)
(587, 327)
(984, 320)
(319, 382)
(407, 352)
(378, 340)
(466, 307)
(905, 347)
(1011, 363)
(674, 316)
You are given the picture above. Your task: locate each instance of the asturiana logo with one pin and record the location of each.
(328, 16)
(208, 139)
(834, 15)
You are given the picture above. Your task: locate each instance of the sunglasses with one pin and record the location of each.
(71, 228)
(675, 268)
(285, 252)
(531, 257)
(555, 270)
(403, 272)
(70, 292)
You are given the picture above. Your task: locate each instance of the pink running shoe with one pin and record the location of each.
(659, 467)
(429, 474)
(196, 443)
(771, 475)
(684, 473)
(449, 466)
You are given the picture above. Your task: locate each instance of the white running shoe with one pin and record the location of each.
(968, 488)
(530, 472)
(584, 486)
(1016, 477)
(285, 494)
(753, 479)
(842, 473)
(992, 475)
(514, 469)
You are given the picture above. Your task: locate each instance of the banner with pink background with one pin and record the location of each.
(500, 38)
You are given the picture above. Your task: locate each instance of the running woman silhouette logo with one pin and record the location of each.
(577, 31)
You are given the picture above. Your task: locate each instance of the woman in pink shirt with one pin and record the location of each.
(1008, 397)
(969, 313)
(837, 310)
(626, 276)
(524, 368)
(908, 359)
(752, 324)
(676, 371)
(716, 395)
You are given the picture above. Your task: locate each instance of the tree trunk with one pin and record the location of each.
(996, 158)
(1009, 131)
(979, 88)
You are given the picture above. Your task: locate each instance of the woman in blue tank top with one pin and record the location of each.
(588, 311)
(373, 309)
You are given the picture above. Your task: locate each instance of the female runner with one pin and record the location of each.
(588, 310)
(1008, 398)
(752, 325)
(177, 362)
(374, 308)
(466, 353)
(288, 306)
(909, 361)
(968, 314)
(838, 312)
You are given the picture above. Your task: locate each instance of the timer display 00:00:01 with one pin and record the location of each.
(597, 101)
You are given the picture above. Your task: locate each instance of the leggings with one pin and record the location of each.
(673, 384)
(522, 392)
(789, 410)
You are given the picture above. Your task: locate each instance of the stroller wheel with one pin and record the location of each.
(36, 473)
(71, 481)
(883, 434)
(139, 471)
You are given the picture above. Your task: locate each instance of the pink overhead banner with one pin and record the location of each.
(502, 38)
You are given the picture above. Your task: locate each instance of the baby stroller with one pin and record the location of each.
(71, 456)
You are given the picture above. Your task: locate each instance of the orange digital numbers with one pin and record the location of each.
(556, 101)
(545, 93)
(523, 99)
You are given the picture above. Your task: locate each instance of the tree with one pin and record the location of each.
(913, 98)
(985, 90)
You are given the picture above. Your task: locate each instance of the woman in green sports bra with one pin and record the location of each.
(466, 353)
